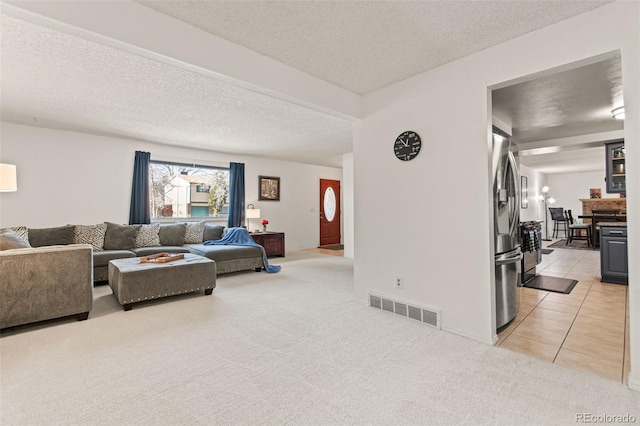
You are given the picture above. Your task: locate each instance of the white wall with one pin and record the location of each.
(569, 188)
(566, 188)
(535, 209)
(68, 177)
(347, 205)
(430, 220)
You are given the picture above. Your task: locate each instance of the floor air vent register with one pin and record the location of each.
(427, 316)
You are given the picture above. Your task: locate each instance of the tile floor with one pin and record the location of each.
(586, 329)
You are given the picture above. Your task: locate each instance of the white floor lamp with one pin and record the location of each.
(544, 196)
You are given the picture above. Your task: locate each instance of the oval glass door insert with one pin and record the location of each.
(329, 204)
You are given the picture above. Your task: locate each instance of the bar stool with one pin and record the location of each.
(573, 227)
(559, 221)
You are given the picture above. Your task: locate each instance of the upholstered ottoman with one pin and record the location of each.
(132, 281)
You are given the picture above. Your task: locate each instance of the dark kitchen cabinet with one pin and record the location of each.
(614, 262)
(616, 167)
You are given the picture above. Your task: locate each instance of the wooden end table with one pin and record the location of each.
(273, 242)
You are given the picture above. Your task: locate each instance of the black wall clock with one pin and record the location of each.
(407, 145)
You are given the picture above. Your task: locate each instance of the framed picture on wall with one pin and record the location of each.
(524, 192)
(269, 188)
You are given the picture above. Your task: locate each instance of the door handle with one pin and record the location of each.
(512, 259)
(516, 187)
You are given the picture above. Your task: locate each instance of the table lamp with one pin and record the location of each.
(252, 214)
(8, 179)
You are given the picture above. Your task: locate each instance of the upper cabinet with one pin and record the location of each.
(616, 170)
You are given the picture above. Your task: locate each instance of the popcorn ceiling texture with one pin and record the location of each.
(365, 45)
(73, 84)
(55, 80)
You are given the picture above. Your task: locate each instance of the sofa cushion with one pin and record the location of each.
(194, 232)
(90, 234)
(120, 237)
(212, 232)
(58, 236)
(10, 240)
(172, 235)
(148, 235)
(148, 251)
(22, 231)
(102, 258)
(225, 252)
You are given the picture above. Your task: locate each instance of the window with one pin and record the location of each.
(183, 190)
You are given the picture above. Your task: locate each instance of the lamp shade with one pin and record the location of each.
(253, 213)
(8, 179)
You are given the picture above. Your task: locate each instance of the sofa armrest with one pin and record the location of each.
(44, 283)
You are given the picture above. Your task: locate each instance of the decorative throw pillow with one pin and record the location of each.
(212, 232)
(148, 236)
(90, 234)
(194, 232)
(120, 237)
(10, 240)
(172, 235)
(22, 231)
(59, 236)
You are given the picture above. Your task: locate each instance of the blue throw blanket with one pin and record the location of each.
(241, 237)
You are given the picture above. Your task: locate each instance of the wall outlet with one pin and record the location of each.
(399, 282)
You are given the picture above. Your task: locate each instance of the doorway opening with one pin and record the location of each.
(559, 120)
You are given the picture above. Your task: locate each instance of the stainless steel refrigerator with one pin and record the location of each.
(506, 217)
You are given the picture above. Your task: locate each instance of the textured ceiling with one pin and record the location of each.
(582, 160)
(560, 105)
(57, 80)
(69, 83)
(569, 103)
(365, 45)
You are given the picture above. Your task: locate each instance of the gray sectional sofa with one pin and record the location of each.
(113, 241)
(44, 283)
(50, 272)
(174, 238)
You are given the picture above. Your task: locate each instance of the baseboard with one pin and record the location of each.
(634, 384)
(490, 342)
(360, 301)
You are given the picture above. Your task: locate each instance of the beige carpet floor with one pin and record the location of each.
(287, 348)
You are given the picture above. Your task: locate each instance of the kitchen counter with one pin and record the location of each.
(613, 224)
(616, 220)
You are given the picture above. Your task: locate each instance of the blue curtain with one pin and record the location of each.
(236, 195)
(140, 211)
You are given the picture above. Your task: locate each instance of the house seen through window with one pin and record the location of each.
(183, 191)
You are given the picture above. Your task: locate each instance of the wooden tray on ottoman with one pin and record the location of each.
(161, 258)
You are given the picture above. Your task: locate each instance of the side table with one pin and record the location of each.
(273, 242)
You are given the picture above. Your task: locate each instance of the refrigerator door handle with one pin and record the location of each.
(516, 187)
(511, 259)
